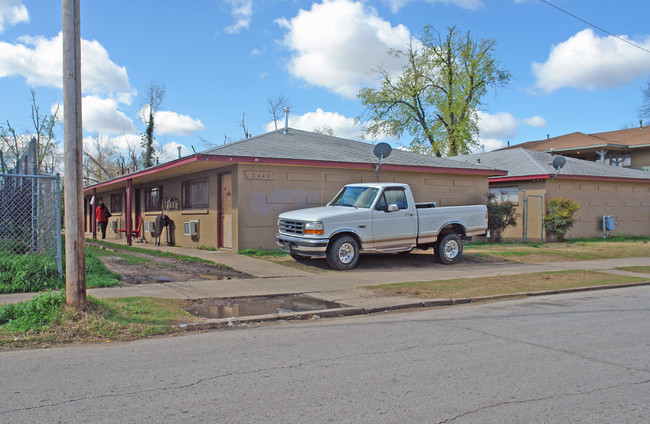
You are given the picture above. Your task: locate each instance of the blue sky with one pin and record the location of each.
(222, 58)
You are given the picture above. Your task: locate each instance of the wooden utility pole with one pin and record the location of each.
(75, 260)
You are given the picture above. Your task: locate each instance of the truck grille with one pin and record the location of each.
(288, 226)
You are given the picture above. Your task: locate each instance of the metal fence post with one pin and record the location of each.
(57, 206)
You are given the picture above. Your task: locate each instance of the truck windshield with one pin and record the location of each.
(358, 197)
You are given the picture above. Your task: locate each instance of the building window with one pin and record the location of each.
(116, 203)
(195, 194)
(153, 199)
(506, 194)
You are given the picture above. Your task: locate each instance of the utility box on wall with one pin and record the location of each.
(608, 224)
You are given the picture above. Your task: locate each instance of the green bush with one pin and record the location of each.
(559, 216)
(501, 215)
(28, 273)
(32, 315)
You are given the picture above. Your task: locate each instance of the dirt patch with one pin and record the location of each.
(157, 269)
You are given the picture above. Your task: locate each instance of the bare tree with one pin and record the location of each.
(242, 124)
(14, 145)
(275, 106)
(324, 130)
(644, 110)
(152, 101)
(101, 160)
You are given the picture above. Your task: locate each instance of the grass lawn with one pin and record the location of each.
(503, 285)
(106, 320)
(641, 269)
(578, 250)
(152, 252)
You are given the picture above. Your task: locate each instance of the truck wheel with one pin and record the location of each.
(449, 249)
(343, 253)
(299, 257)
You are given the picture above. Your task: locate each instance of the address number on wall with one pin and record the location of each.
(258, 175)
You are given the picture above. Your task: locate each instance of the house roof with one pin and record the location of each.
(622, 139)
(530, 164)
(303, 148)
(308, 146)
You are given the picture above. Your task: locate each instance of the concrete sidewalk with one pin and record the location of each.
(343, 286)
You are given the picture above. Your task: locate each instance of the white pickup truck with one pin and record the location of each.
(381, 217)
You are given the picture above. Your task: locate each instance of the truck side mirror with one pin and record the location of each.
(393, 207)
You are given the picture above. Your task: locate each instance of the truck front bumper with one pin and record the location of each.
(301, 245)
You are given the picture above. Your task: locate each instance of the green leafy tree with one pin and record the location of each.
(559, 216)
(501, 215)
(153, 99)
(437, 93)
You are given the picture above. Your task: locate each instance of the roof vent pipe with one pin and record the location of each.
(179, 151)
(286, 119)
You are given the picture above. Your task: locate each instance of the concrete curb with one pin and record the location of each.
(425, 303)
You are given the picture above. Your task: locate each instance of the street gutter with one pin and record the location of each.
(424, 303)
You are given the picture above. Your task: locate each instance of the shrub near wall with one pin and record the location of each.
(559, 216)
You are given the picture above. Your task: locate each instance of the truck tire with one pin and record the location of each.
(343, 253)
(449, 249)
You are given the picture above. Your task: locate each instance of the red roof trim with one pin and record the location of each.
(293, 162)
(568, 177)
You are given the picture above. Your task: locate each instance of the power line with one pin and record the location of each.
(597, 27)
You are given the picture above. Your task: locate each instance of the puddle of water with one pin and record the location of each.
(135, 280)
(217, 277)
(218, 308)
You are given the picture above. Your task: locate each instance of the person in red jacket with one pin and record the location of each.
(102, 214)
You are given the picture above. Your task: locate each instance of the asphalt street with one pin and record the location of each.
(570, 358)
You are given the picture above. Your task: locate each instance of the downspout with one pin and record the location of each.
(127, 221)
(93, 207)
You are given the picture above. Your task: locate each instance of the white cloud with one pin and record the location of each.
(169, 151)
(488, 144)
(102, 116)
(174, 123)
(396, 5)
(500, 125)
(337, 42)
(586, 61)
(12, 12)
(535, 121)
(496, 129)
(341, 125)
(242, 12)
(39, 61)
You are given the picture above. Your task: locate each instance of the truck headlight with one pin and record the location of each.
(314, 228)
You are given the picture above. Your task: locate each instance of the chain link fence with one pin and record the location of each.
(30, 216)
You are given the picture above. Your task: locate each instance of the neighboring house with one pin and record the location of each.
(233, 193)
(599, 189)
(629, 148)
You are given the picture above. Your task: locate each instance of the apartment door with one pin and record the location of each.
(224, 224)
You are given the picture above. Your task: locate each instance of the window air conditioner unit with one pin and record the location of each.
(191, 228)
(149, 227)
(112, 225)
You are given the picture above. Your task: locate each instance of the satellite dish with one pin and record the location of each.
(382, 151)
(558, 163)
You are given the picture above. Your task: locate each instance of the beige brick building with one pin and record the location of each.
(232, 194)
(600, 189)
